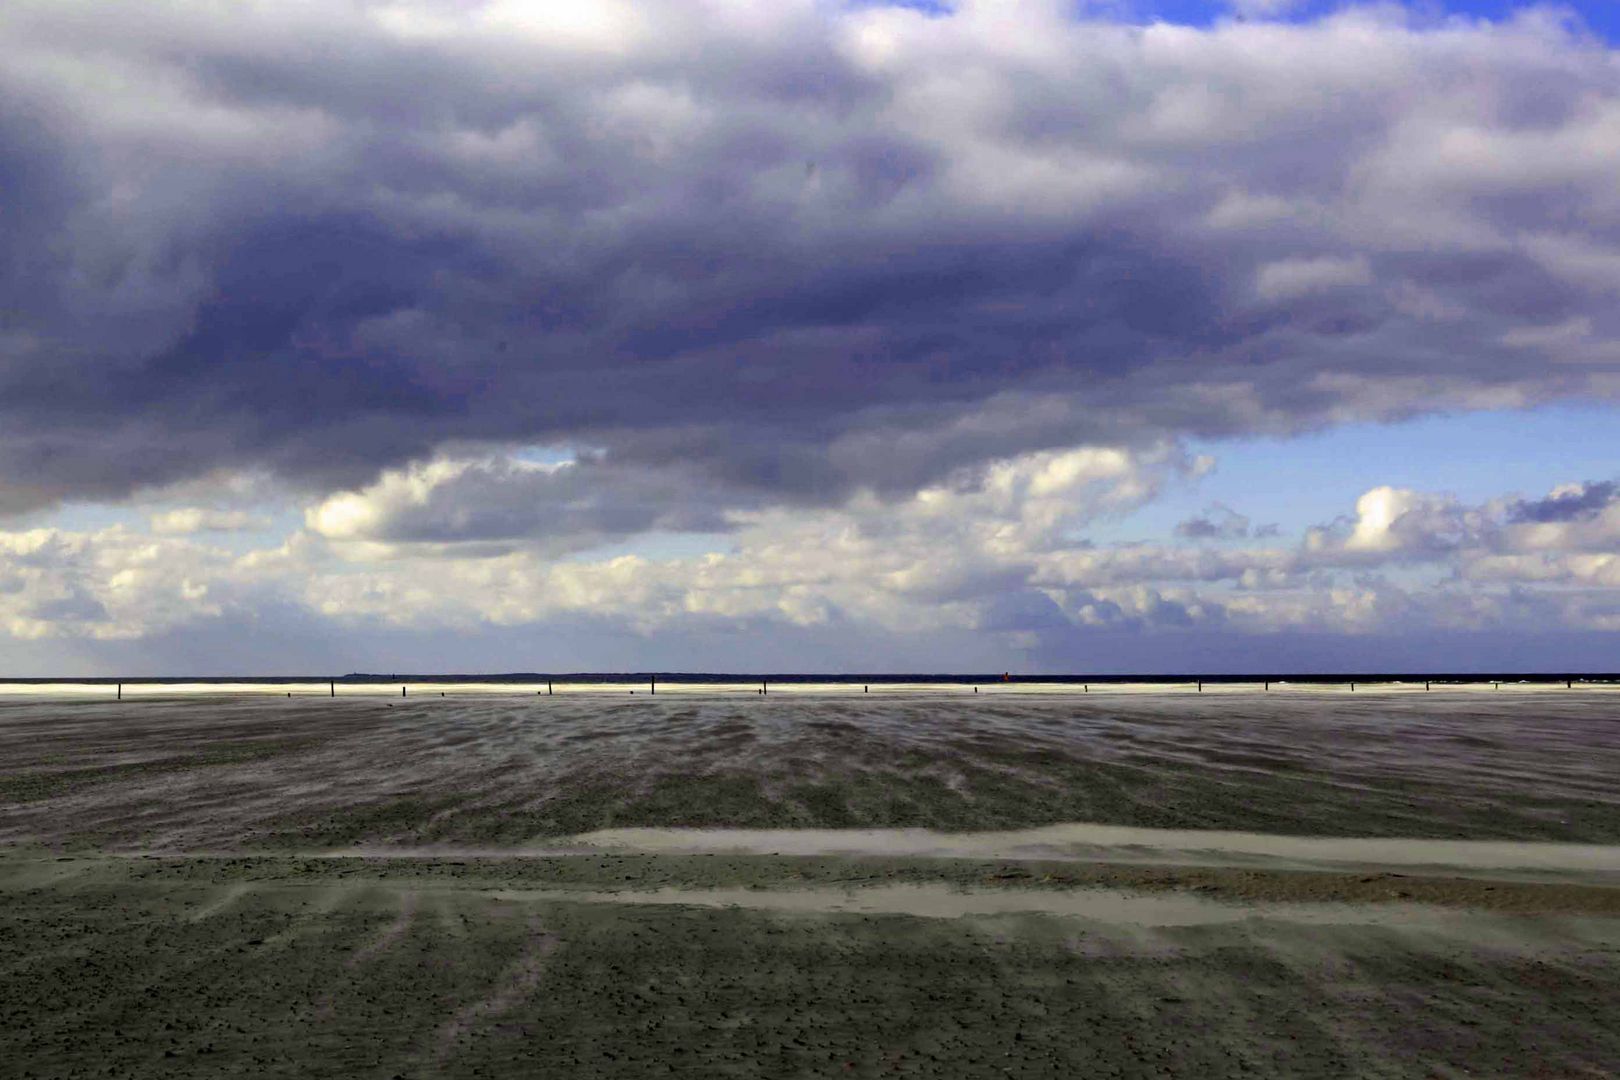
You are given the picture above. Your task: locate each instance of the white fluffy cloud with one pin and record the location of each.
(185, 520)
(1000, 552)
(110, 584)
(948, 551)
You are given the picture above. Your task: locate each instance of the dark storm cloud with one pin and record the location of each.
(792, 248)
(1217, 522)
(1583, 503)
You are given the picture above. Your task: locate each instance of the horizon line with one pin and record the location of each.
(370, 678)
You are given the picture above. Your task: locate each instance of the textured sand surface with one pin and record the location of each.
(233, 772)
(569, 966)
(811, 887)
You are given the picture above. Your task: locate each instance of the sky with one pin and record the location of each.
(1115, 336)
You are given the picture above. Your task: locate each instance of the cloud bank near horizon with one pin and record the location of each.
(996, 566)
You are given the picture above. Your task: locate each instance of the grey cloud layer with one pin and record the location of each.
(793, 249)
(497, 503)
(1220, 522)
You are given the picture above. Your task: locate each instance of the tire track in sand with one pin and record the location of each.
(391, 934)
(226, 900)
(515, 985)
(309, 922)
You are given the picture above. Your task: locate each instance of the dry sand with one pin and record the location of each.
(809, 885)
(229, 772)
(1182, 847)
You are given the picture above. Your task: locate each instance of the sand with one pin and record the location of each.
(1182, 847)
(232, 773)
(1039, 886)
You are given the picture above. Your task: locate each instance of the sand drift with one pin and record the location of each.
(260, 773)
(1123, 843)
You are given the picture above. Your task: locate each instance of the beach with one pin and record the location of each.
(494, 883)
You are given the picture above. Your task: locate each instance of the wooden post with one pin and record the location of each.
(764, 687)
(1569, 684)
(866, 689)
(654, 684)
(120, 691)
(332, 686)
(1425, 684)
(548, 688)
(1352, 688)
(401, 691)
(1268, 684)
(975, 689)
(1200, 686)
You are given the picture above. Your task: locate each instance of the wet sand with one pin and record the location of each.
(1048, 886)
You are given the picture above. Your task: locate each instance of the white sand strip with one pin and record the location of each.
(1125, 843)
(1119, 909)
